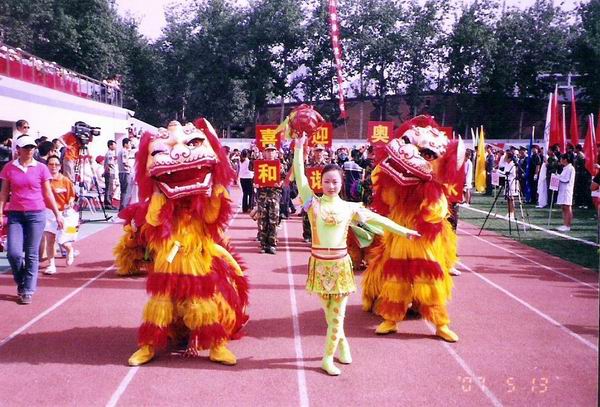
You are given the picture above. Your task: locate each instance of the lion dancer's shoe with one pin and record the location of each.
(220, 354)
(386, 327)
(143, 355)
(444, 332)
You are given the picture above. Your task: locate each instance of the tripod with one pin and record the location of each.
(510, 197)
(83, 162)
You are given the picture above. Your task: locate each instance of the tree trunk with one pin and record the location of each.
(521, 123)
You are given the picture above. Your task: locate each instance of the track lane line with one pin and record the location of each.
(53, 307)
(532, 226)
(302, 389)
(533, 309)
(476, 379)
(530, 260)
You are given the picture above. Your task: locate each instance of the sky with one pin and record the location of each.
(150, 13)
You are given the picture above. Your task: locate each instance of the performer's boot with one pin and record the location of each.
(444, 332)
(328, 366)
(335, 310)
(386, 327)
(344, 355)
(221, 354)
(141, 356)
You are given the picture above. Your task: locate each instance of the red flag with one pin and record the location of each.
(574, 124)
(590, 149)
(555, 136)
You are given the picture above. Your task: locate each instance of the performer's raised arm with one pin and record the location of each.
(304, 190)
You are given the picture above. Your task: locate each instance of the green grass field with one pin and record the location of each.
(584, 227)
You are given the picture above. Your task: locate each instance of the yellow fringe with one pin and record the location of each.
(159, 311)
(198, 313)
(157, 201)
(191, 258)
(219, 251)
(213, 207)
(396, 291)
(129, 256)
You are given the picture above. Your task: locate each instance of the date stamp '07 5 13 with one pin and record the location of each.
(535, 385)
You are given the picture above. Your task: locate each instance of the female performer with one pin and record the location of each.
(329, 267)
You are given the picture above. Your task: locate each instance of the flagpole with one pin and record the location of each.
(564, 130)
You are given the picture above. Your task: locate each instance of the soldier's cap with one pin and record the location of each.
(319, 147)
(270, 147)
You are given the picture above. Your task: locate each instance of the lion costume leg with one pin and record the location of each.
(394, 300)
(153, 334)
(335, 311)
(431, 297)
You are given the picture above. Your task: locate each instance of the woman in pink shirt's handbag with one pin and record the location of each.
(27, 182)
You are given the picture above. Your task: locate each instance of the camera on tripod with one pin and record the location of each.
(84, 132)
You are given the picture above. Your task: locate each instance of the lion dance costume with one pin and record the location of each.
(197, 289)
(417, 173)
(330, 272)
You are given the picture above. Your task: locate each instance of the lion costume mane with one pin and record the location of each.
(414, 192)
(175, 234)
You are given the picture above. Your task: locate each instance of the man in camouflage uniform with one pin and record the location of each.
(316, 159)
(267, 204)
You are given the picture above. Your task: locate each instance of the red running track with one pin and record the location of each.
(528, 324)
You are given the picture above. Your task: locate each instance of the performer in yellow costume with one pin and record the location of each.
(417, 174)
(330, 272)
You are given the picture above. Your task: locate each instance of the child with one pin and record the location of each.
(329, 267)
(64, 195)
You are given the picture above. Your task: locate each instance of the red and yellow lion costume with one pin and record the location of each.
(416, 173)
(175, 234)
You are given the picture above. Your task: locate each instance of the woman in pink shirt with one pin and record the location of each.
(27, 182)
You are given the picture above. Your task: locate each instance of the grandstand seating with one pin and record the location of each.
(18, 64)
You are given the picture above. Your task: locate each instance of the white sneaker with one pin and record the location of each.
(454, 272)
(51, 269)
(70, 257)
(563, 228)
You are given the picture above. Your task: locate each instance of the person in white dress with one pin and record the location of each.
(468, 177)
(565, 191)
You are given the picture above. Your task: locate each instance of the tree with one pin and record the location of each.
(422, 46)
(586, 55)
(470, 48)
(376, 28)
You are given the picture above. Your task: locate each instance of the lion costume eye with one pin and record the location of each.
(195, 142)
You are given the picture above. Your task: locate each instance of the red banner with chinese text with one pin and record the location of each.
(314, 175)
(449, 132)
(323, 136)
(267, 173)
(267, 134)
(379, 133)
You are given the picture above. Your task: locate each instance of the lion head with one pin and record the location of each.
(182, 161)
